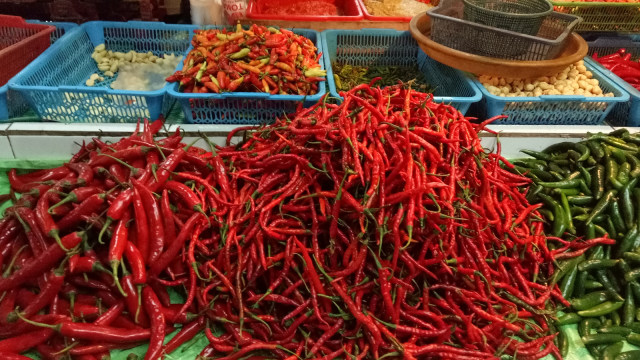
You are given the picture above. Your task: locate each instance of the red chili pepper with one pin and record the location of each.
(45, 261)
(174, 248)
(52, 286)
(156, 223)
(24, 342)
(142, 226)
(133, 302)
(186, 333)
(91, 205)
(152, 306)
(138, 269)
(117, 246)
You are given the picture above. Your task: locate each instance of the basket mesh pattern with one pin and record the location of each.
(399, 49)
(522, 16)
(449, 29)
(613, 17)
(556, 112)
(71, 65)
(239, 111)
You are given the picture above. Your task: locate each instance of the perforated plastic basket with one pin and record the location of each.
(450, 29)
(54, 83)
(606, 45)
(388, 47)
(349, 11)
(556, 109)
(245, 107)
(627, 114)
(603, 16)
(12, 104)
(522, 16)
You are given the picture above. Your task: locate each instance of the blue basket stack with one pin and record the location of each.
(54, 84)
(250, 108)
(389, 47)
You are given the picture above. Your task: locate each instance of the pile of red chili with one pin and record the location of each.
(622, 64)
(288, 8)
(260, 59)
(378, 227)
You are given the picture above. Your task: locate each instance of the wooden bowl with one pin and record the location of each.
(574, 51)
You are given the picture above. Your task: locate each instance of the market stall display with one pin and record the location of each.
(55, 84)
(293, 196)
(20, 43)
(390, 48)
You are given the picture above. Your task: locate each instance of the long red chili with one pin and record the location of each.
(152, 306)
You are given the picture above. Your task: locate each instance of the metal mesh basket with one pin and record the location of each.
(449, 29)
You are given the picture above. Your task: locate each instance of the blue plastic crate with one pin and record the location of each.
(54, 83)
(389, 47)
(12, 104)
(245, 107)
(556, 109)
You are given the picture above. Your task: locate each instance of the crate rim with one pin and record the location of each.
(544, 13)
(624, 96)
(172, 89)
(253, 14)
(77, 31)
(333, 91)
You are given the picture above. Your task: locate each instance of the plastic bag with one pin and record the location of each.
(234, 10)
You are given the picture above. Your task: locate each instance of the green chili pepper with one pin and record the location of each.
(629, 309)
(589, 265)
(564, 184)
(609, 285)
(586, 325)
(560, 218)
(611, 351)
(564, 267)
(616, 153)
(635, 165)
(240, 54)
(596, 149)
(599, 339)
(616, 216)
(590, 300)
(602, 205)
(570, 318)
(605, 308)
(598, 181)
(628, 210)
(631, 256)
(568, 283)
(629, 355)
(580, 199)
(592, 285)
(632, 275)
(620, 330)
(634, 339)
(561, 147)
(537, 155)
(628, 241)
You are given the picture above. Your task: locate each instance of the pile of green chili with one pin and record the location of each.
(348, 76)
(591, 189)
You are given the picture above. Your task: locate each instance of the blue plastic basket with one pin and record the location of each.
(245, 107)
(12, 104)
(54, 83)
(556, 109)
(390, 47)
